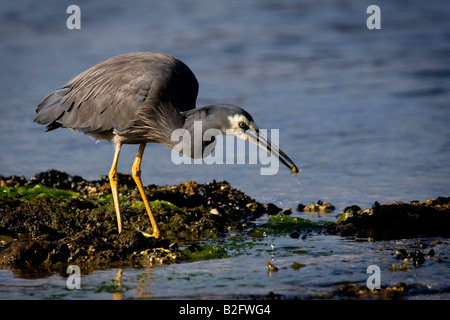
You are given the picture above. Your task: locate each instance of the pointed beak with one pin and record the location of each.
(261, 141)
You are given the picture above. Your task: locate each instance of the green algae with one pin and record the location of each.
(297, 266)
(37, 191)
(206, 252)
(344, 217)
(281, 224)
(160, 204)
(259, 232)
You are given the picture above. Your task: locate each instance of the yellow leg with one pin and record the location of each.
(136, 171)
(113, 180)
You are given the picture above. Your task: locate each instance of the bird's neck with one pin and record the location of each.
(204, 117)
(198, 133)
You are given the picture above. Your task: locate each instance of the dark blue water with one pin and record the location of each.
(364, 113)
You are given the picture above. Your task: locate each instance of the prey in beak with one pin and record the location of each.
(255, 136)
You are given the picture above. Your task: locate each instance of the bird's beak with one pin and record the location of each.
(261, 141)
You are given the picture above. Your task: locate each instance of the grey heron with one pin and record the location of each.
(141, 98)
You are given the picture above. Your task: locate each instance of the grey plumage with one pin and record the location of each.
(121, 95)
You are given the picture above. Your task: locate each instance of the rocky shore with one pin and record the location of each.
(397, 220)
(54, 219)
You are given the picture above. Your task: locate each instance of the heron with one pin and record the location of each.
(139, 98)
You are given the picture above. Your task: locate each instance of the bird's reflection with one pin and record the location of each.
(142, 288)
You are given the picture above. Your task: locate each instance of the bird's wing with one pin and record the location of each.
(109, 95)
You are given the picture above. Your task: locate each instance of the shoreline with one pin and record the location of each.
(53, 220)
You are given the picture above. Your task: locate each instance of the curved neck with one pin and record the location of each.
(207, 116)
(196, 138)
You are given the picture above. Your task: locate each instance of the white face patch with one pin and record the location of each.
(234, 120)
(236, 130)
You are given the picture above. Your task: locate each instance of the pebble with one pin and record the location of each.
(271, 267)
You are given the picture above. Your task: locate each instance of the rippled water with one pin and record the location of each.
(329, 262)
(364, 114)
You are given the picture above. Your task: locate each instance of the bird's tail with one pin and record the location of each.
(50, 109)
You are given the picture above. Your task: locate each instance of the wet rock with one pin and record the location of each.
(398, 220)
(12, 181)
(270, 296)
(412, 256)
(194, 247)
(401, 254)
(417, 257)
(352, 210)
(297, 266)
(353, 291)
(158, 256)
(55, 179)
(271, 267)
(319, 207)
(81, 204)
(129, 241)
(294, 235)
(401, 290)
(26, 251)
(272, 209)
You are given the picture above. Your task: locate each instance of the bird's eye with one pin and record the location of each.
(243, 125)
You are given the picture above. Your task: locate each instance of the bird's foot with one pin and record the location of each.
(155, 235)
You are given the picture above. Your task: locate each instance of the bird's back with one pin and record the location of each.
(115, 94)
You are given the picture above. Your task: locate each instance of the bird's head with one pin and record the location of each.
(229, 119)
(242, 125)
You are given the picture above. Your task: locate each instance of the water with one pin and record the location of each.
(364, 113)
(329, 261)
